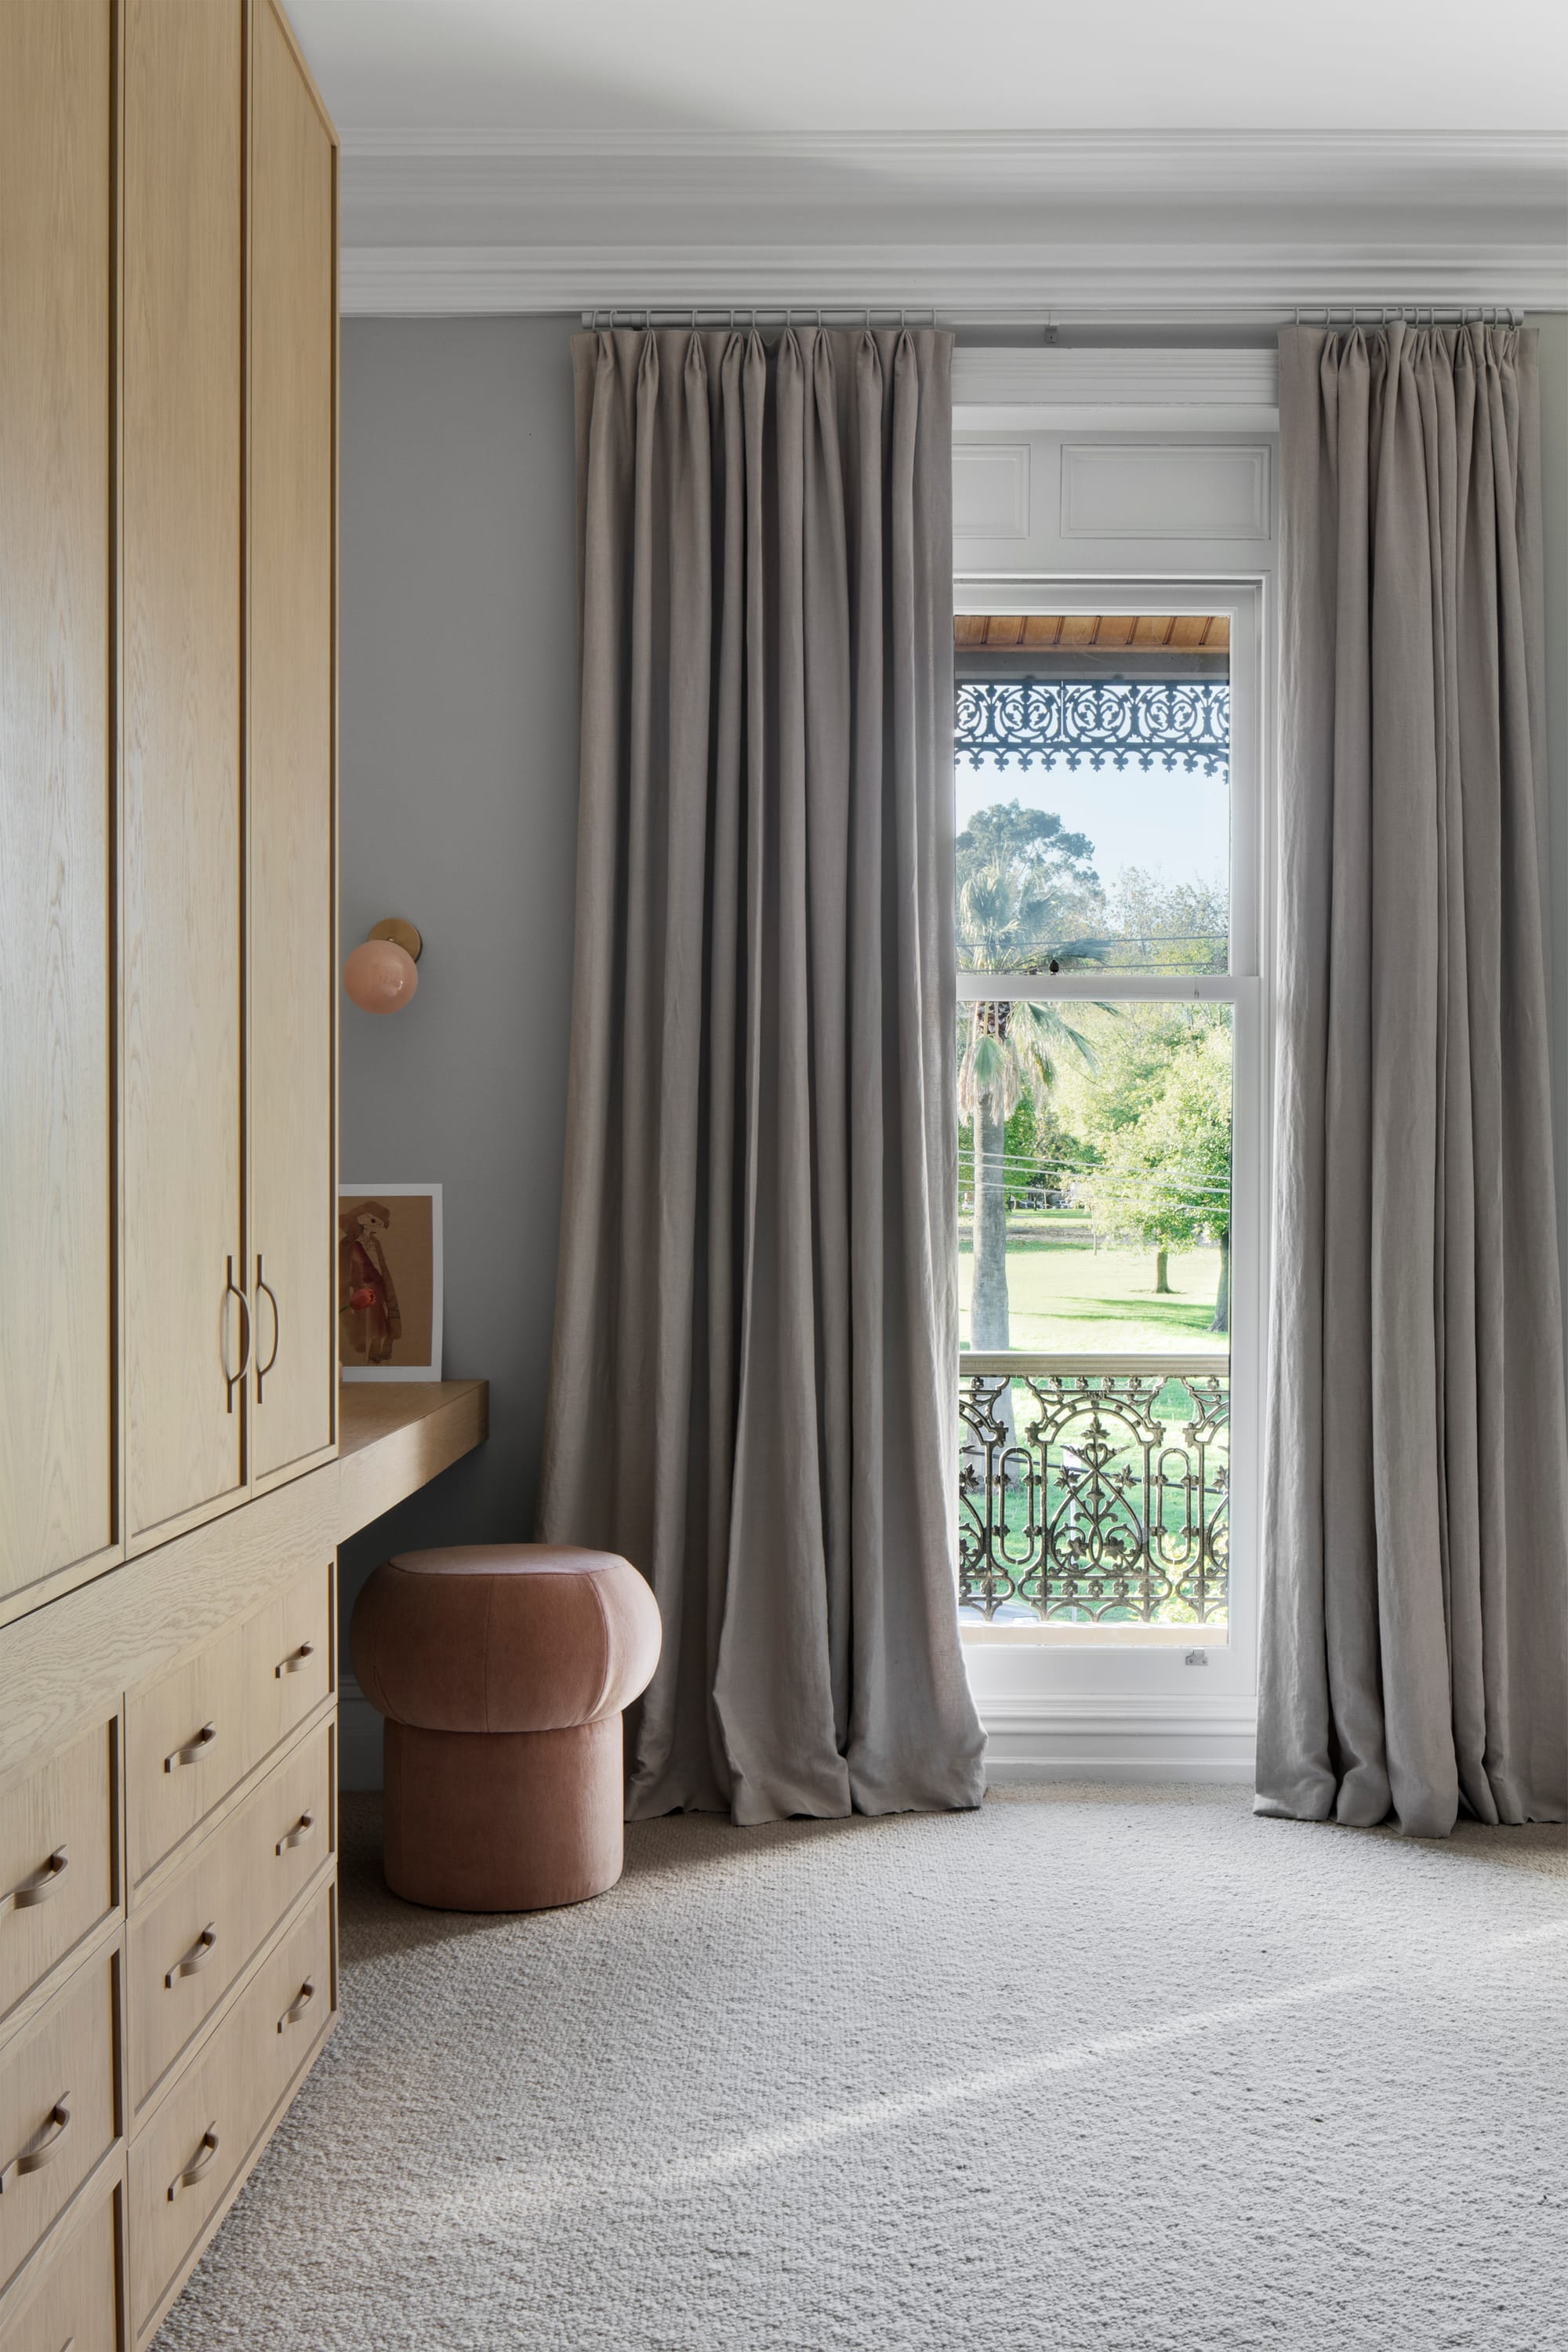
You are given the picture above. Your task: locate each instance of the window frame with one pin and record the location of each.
(1014, 1671)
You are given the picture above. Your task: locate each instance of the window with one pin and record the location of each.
(1106, 938)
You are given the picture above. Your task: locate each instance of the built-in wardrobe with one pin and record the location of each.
(168, 1397)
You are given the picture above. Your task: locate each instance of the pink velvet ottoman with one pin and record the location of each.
(501, 1670)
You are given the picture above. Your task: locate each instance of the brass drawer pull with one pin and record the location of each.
(295, 1663)
(193, 1750)
(231, 1289)
(46, 2153)
(297, 1834)
(299, 2005)
(39, 1887)
(198, 1956)
(262, 1370)
(201, 2162)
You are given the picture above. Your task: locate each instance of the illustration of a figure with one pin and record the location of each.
(368, 1315)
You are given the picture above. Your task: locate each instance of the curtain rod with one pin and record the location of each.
(1410, 314)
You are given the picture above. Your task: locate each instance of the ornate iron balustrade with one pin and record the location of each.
(1181, 724)
(1094, 1489)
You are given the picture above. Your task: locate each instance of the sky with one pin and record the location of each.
(1172, 825)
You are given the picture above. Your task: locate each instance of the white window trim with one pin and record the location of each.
(1143, 1713)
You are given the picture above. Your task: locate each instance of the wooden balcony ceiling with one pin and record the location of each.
(1175, 632)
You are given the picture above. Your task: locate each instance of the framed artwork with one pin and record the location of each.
(389, 1282)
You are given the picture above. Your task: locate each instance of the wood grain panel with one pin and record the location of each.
(218, 1712)
(293, 345)
(397, 1435)
(75, 2301)
(57, 1471)
(229, 2091)
(64, 1664)
(182, 922)
(60, 1814)
(64, 2062)
(222, 1906)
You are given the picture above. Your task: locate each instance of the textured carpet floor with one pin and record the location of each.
(1094, 2070)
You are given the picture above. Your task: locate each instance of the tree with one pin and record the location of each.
(1155, 1111)
(1024, 882)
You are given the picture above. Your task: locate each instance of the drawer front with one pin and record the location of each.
(196, 2143)
(57, 2109)
(56, 1861)
(287, 1660)
(193, 1734)
(191, 1942)
(76, 2302)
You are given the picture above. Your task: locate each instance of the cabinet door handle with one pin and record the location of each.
(297, 1834)
(193, 1750)
(59, 2122)
(201, 2162)
(262, 1370)
(295, 1663)
(299, 2005)
(198, 1956)
(39, 1887)
(231, 1289)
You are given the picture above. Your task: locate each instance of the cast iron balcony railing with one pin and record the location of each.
(1094, 1489)
(1119, 723)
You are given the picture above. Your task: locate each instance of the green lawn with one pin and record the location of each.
(1064, 1296)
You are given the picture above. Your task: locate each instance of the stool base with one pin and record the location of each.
(503, 1821)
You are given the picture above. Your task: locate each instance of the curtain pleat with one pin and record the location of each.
(753, 1386)
(1414, 1654)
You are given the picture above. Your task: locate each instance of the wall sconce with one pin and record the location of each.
(380, 975)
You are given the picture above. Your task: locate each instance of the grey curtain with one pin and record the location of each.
(1415, 1626)
(753, 1388)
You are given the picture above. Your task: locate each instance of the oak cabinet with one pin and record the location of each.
(59, 1456)
(182, 928)
(168, 1392)
(168, 394)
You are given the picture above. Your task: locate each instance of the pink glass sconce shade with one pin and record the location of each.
(380, 976)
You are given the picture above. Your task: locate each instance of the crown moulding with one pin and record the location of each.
(984, 281)
(501, 220)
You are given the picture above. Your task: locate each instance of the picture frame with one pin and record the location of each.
(389, 1282)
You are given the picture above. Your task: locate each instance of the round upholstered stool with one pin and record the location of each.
(501, 1670)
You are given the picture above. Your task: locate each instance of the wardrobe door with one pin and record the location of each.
(186, 1314)
(57, 1272)
(289, 709)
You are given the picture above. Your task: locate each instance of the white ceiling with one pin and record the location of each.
(926, 65)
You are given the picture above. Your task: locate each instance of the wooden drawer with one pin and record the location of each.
(56, 1861)
(61, 2065)
(222, 1907)
(199, 2139)
(75, 2303)
(193, 1734)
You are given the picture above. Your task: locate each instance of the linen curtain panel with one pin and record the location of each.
(753, 1388)
(1415, 1627)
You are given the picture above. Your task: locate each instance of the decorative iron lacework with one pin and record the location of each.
(1094, 1494)
(1181, 724)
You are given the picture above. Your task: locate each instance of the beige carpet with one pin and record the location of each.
(1095, 2070)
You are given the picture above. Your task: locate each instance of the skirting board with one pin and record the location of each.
(1094, 1737)
(1060, 1738)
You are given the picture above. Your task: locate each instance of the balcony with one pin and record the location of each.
(1094, 1496)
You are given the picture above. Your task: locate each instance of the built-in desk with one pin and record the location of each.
(395, 1436)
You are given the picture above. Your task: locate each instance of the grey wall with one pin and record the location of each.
(458, 735)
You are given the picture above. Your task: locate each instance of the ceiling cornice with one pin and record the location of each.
(437, 220)
(981, 281)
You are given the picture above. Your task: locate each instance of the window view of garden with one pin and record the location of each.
(1094, 1149)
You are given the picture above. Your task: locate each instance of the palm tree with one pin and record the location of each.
(1009, 1050)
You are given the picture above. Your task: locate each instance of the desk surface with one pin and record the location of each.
(395, 1436)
